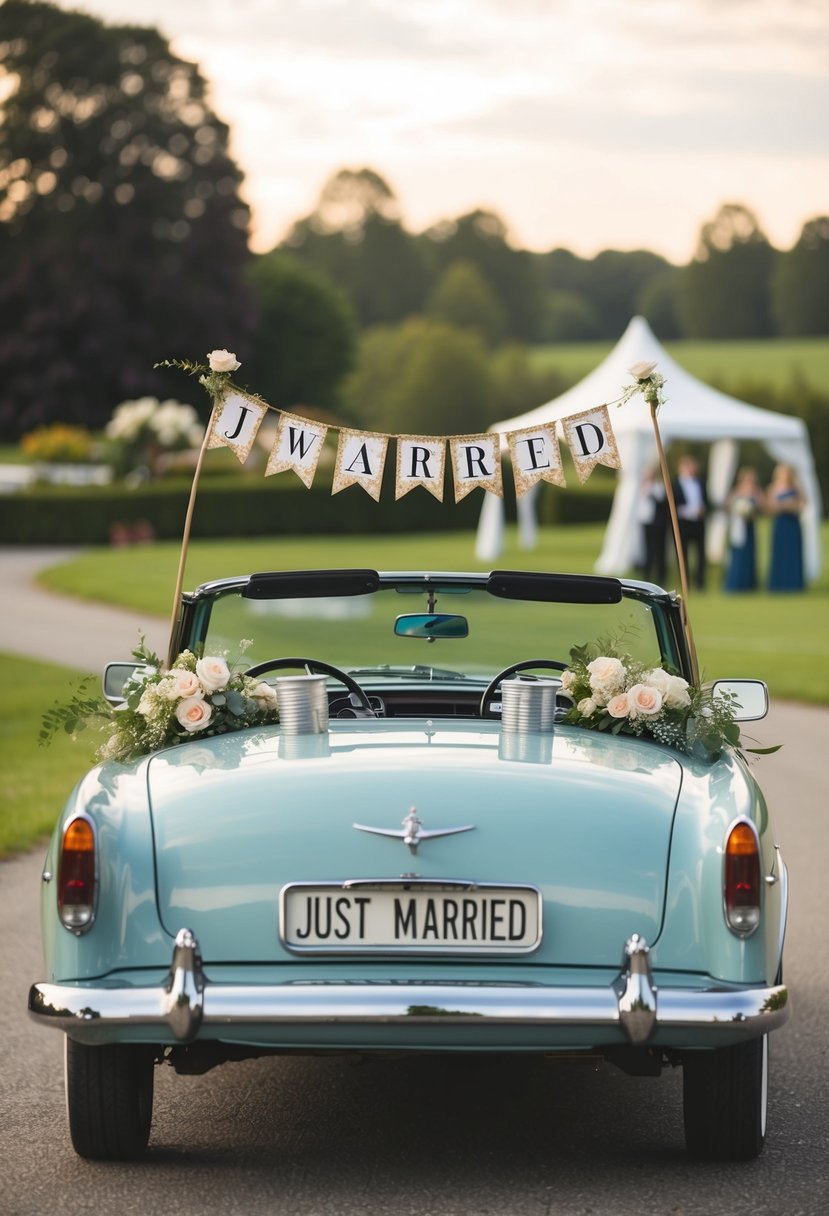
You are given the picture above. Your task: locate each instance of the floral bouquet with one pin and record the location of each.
(194, 698)
(616, 693)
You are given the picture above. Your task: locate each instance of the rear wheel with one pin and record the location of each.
(109, 1099)
(724, 1098)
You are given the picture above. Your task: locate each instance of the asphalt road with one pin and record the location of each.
(443, 1137)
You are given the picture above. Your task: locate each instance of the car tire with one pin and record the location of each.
(724, 1099)
(109, 1099)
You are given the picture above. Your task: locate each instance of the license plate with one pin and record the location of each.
(409, 917)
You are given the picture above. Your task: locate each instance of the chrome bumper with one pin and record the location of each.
(188, 1002)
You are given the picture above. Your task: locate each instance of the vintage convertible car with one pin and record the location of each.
(443, 861)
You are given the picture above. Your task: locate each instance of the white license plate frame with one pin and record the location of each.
(415, 916)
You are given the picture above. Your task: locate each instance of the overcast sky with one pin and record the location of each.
(585, 123)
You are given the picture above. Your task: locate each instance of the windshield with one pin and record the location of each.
(357, 632)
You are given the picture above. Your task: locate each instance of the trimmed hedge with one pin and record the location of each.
(228, 507)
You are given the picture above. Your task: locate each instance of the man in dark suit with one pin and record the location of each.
(691, 507)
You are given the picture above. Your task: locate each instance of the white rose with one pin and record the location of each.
(265, 694)
(607, 677)
(641, 371)
(645, 699)
(621, 707)
(183, 683)
(587, 707)
(568, 679)
(213, 673)
(222, 361)
(148, 699)
(194, 713)
(676, 696)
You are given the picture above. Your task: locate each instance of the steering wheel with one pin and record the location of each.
(316, 667)
(526, 665)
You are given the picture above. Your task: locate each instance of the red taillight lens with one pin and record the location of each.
(742, 879)
(76, 876)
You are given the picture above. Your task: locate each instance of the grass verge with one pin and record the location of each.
(36, 780)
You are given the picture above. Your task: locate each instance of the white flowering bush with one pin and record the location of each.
(615, 692)
(195, 698)
(142, 430)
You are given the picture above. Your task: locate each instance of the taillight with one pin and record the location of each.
(76, 876)
(742, 878)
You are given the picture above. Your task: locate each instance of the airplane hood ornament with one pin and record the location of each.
(412, 833)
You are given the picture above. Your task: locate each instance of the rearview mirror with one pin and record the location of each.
(431, 625)
(751, 698)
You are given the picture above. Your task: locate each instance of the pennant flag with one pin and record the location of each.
(235, 422)
(476, 462)
(298, 446)
(361, 457)
(421, 461)
(535, 457)
(591, 441)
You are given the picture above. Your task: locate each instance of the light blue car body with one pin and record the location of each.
(620, 838)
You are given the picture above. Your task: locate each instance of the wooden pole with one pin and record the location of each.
(185, 539)
(680, 553)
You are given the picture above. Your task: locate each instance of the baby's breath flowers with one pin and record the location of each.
(196, 697)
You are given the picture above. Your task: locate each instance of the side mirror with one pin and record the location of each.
(431, 625)
(116, 677)
(751, 698)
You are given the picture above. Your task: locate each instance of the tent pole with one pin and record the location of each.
(185, 539)
(680, 555)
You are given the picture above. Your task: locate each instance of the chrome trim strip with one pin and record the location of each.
(186, 1001)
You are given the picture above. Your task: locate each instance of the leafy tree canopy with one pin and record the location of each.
(725, 291)
(800, 286)
(463, 297)
(122, 234)
(305, 340)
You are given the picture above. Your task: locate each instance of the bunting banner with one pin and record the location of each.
(235, 422)
(298, 446)
(421, 461)
(591, 441)
(534, 451)
(476, 464)
(536, 457)
(361, 458)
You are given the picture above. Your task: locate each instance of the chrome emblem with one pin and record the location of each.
(411, 833)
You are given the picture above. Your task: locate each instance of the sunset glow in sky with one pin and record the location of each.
(585, 123)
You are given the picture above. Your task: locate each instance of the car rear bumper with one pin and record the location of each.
(434, 1015)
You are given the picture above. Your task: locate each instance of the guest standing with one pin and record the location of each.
(745, 502)
(785, 501)
(653, 516)
(691, 508)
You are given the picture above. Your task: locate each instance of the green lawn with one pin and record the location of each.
(780, 639)
(775, 361)
(36, 780)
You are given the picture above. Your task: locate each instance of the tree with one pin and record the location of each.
(463, 297)
(657, 302)
(122, 235)
(481, 237)
(800, 285)
(354, 236)
(422, 377)
(724, 291)
(305, 340)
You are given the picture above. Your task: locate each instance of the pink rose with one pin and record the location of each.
(184, 683)
(194, 713)
(645, 699)
(620, 706)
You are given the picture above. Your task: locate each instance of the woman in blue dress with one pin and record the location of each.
(785, 502)
(745, 503)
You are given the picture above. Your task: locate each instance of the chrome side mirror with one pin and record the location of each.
(116, 677)
(750, 698)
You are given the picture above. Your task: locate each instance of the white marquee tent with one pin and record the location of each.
(693, 412)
